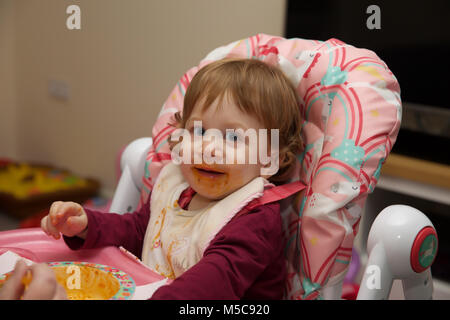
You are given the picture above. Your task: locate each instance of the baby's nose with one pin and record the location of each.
(212, 148)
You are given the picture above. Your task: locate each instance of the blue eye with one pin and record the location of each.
(199, 131)
(231, 136)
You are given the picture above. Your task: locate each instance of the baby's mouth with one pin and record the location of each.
(208, 172)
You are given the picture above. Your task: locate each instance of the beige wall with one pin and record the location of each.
(120, 68)
(8, 121)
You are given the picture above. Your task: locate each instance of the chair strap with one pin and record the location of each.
(271, 195)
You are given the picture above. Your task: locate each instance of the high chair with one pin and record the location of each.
(351, 108)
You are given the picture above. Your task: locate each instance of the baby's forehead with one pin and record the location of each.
(225, 116)
(226, 107)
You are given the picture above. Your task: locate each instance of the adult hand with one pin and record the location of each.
(43, 285)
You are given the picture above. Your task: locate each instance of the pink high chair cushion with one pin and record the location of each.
(351, 106)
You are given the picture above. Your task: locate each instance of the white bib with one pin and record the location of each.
(175, 238)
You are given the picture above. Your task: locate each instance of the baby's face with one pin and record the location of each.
(216, 181)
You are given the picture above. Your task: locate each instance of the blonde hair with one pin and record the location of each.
(258, 89)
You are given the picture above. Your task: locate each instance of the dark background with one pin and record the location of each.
(414, 39)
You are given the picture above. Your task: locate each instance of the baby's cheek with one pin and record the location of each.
(241, 154)
(187, 152)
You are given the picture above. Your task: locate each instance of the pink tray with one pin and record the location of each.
(34, 244)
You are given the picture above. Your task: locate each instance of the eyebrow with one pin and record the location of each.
(236, 125)
(229, 125)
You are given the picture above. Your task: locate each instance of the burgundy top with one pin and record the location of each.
(244, 261)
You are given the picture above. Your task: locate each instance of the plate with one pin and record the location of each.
(96, 277)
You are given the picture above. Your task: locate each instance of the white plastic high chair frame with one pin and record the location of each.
(402, 241)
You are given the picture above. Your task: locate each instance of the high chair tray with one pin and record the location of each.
(34, 244)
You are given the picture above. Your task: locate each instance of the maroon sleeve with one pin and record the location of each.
(112, 229)
(238, 255)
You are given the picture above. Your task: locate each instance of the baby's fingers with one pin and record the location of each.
(55, 211)
(62, 211)
(49, 228)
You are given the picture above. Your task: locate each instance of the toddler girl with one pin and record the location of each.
(199, 226)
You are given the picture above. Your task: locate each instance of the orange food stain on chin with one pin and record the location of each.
(218, 185)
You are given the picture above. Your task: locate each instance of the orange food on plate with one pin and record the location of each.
(81, 282)
(93, 284)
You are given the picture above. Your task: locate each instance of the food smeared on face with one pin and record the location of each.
(213, 180)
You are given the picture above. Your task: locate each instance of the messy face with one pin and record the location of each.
(218, 140)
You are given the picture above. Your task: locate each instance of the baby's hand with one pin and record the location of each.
(69, 218)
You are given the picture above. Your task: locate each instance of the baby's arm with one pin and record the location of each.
(243, 251)
(105, 229)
